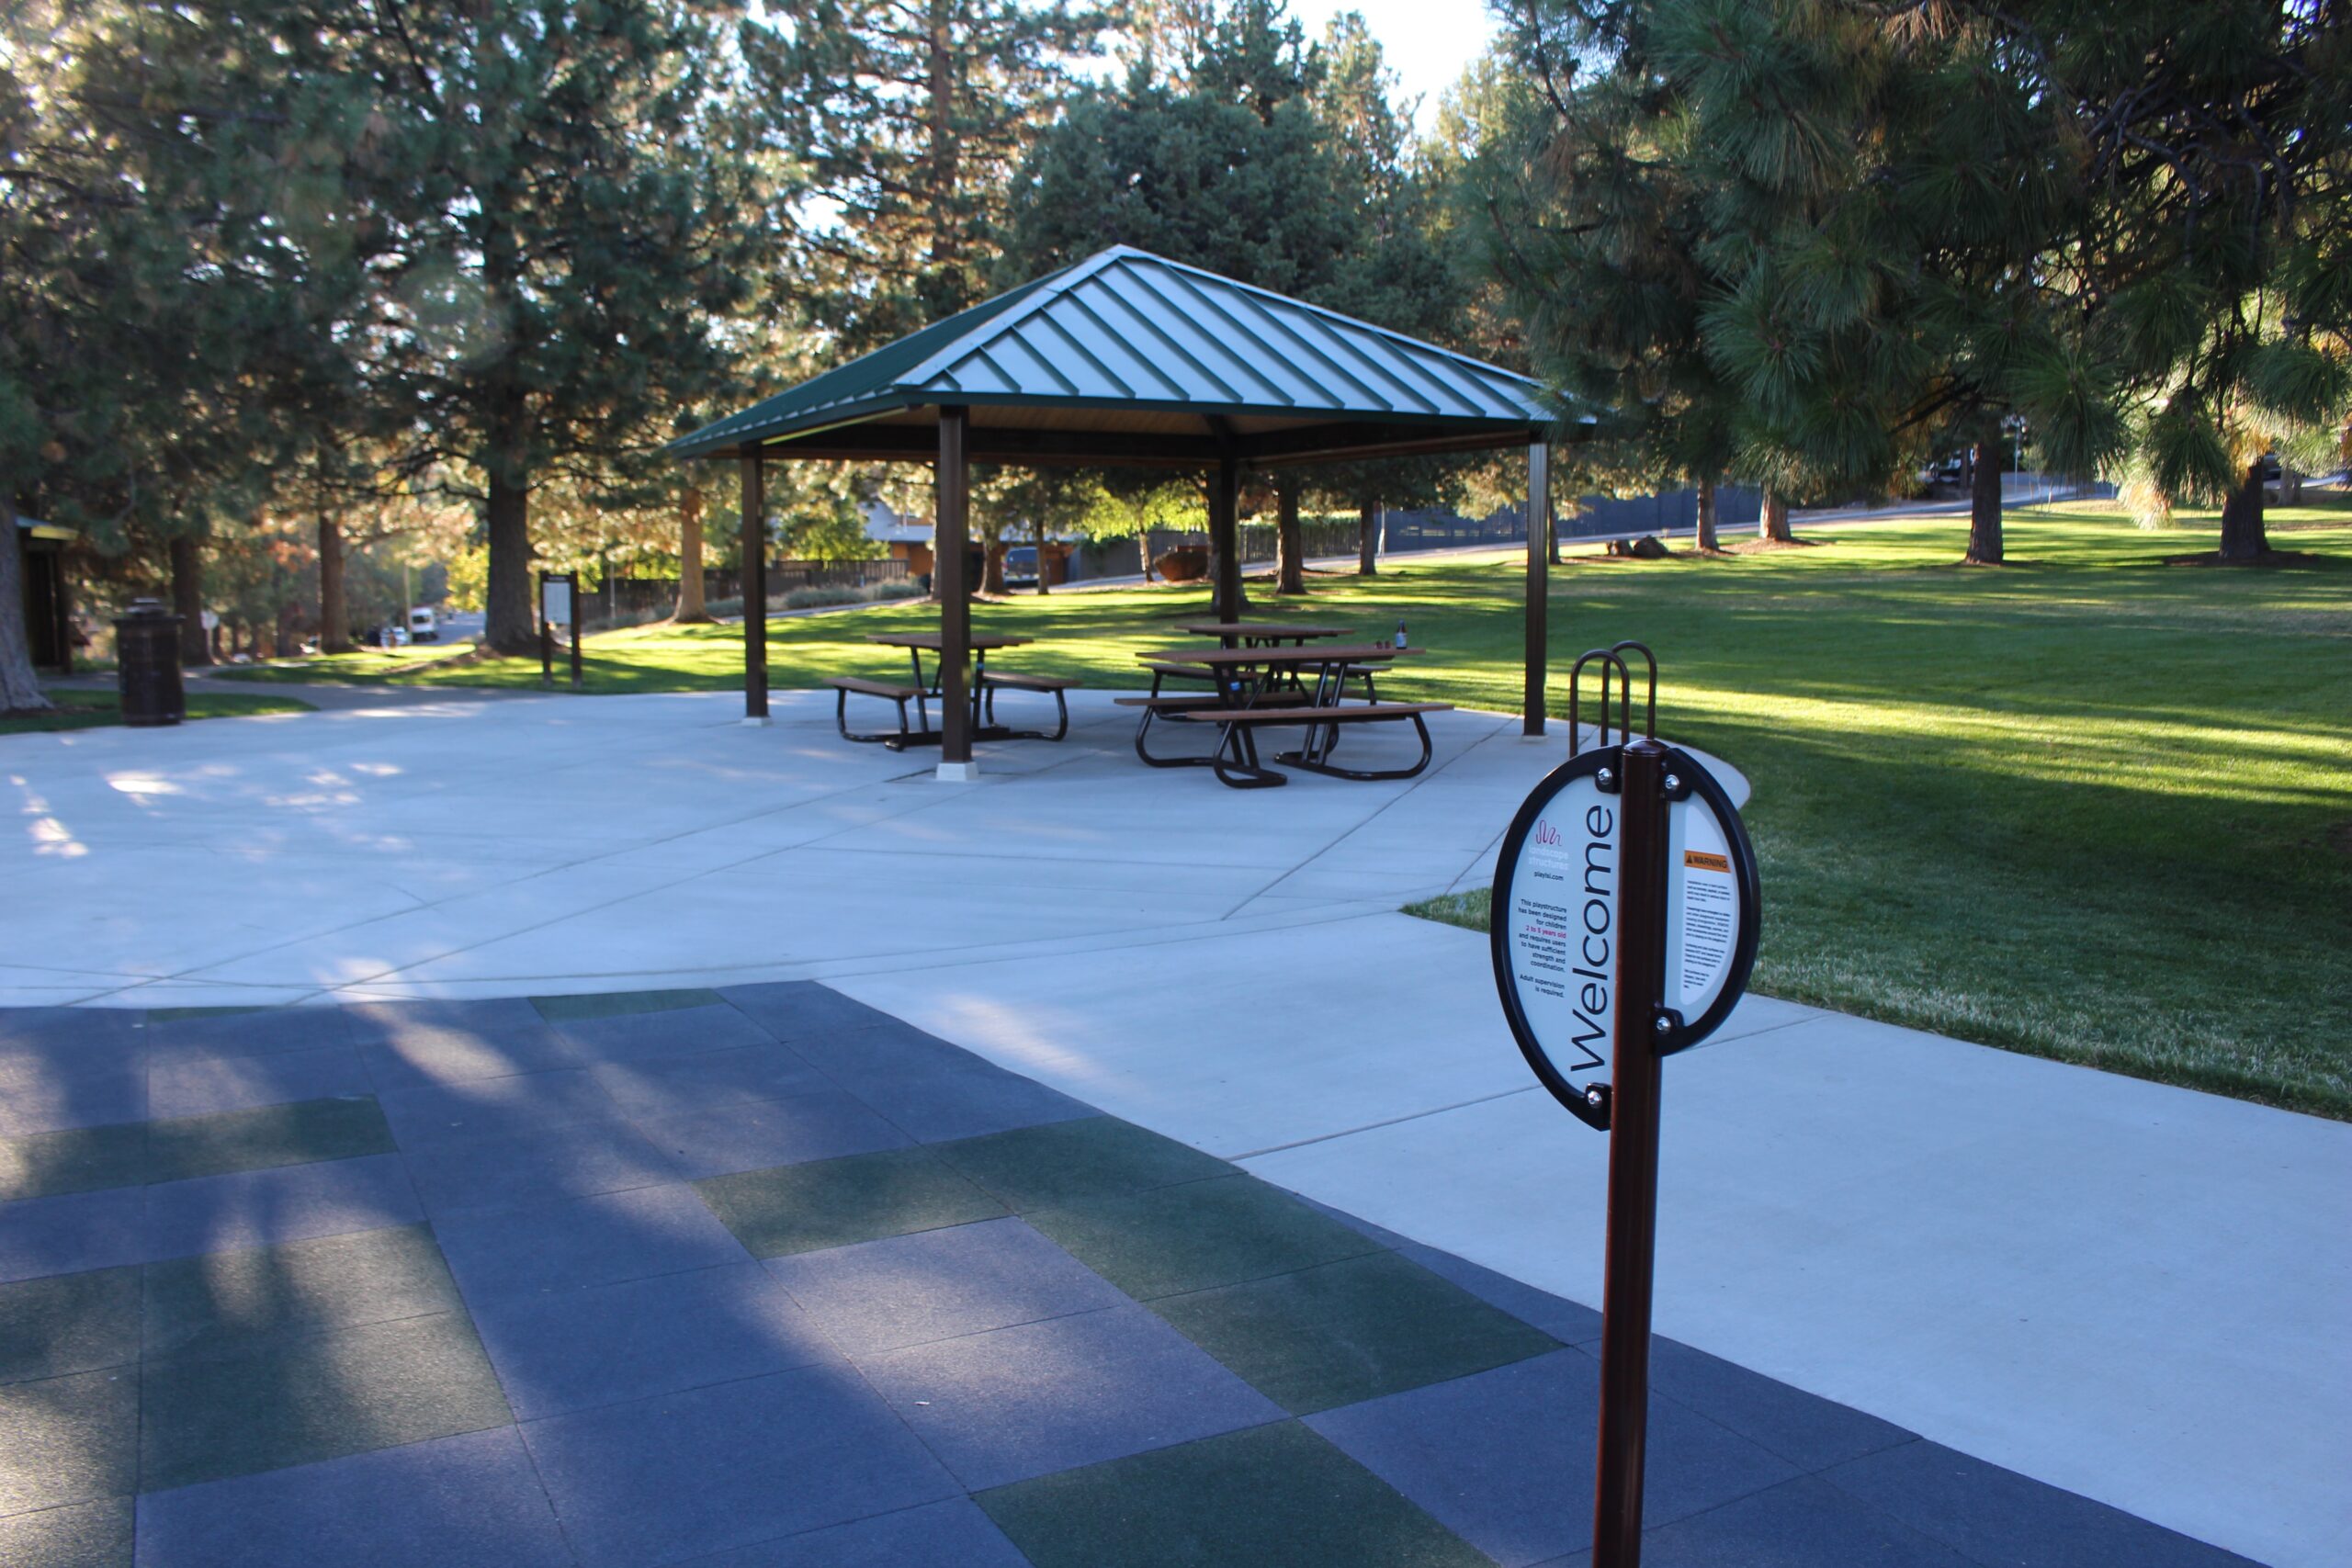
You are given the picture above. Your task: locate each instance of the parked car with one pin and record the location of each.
(1021, 567)
(422, 627)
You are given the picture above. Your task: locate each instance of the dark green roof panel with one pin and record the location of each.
(1126, 327)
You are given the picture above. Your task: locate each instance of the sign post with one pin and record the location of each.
(1624, 927)
(559, 605)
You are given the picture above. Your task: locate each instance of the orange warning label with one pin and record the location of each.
(1699, 860)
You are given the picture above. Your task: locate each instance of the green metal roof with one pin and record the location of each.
(1093, 360)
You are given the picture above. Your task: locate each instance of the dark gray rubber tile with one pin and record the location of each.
(1197, 1236)
(69, 1035)
(802, 1010)
(966, 1103)
(470, 1501)
(1995, 1515)
(1571, 1323)
(426, 1117)
(1078, 1160)
(69, 1440)
(581, 1348)
(1016, 1403)
(911, 1289)
(1275, 1495)
(263, 1032)
(266, 1136)
(1505, 1459)
(300, 1399)
(590, 1005)
(822, 1126)
(712, 1080)
(379, 1023)
(1804, 1523)
(411, 1045)
(231, 1301)
(68, 1234)
(68, 1322)
(540, 1166)
(1808, 1431)
(741, 1463)
(79, 1535)
(194, 1084)
(953, 1534)
(585, 1241)
(838, 1202)
(263, 1208)
(654, 1036)
(36, 1096)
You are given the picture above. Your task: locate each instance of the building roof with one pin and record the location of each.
(1127, 358)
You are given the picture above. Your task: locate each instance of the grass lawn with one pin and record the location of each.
(86, 710)
(2087, 806)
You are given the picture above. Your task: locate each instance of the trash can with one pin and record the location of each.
(147, 660)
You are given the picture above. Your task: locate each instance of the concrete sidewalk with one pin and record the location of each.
(2131, 1291)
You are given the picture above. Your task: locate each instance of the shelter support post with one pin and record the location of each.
(755, 587)
(1538, 533)
(1225, 535)
(955, 497)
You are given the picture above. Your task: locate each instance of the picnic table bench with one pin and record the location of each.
(985, 685)
(1259, 687)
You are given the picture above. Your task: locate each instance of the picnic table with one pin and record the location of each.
(1258, 634)
(1265, 686)
(985, 685)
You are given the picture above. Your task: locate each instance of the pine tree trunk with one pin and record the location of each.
(188, 598)
(1368, 540)
(1041, 586)
(992, 573)
(1290, 576)
(19, 688)
(690, 603)
(1985, 500)
(334, 610)
(1551, 524)
(2243, 537)
(1706, 540)
(507, 623)
(1774, 521)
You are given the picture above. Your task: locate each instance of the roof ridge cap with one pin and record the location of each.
(1051, 287)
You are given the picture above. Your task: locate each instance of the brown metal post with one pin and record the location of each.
(1631, 1252)
(574, 579)
(1539, 531)
(547, 636)
(947, 550)
(1225, 536)
(755, 588)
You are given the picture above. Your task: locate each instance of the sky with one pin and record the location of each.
(1426, 42)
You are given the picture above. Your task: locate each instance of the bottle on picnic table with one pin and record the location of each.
(1400, 636)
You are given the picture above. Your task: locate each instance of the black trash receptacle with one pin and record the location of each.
(147, 659)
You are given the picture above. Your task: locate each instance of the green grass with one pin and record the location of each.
(86, 710)
(2088, 806)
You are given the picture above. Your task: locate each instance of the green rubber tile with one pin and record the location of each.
(71, 1439)
(81, 1535)
(301, 1133)
(181, 1015)
(1349, 1331)
(1071, 1162)
(236, 1301)
(68, 1322)
(295, 1401)
(80, 1160)
(836, 1203)
(1268, 1494)
(1197, 1236)
(617, 1004)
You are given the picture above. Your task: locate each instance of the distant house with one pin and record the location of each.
(49, 608)
(905, 538)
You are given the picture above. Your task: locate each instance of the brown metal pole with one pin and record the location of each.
(1225, 536)
(546, 638)
(1539, 532)
(755, 588)
(1632, 1249)
(573, 578)
(948, 537)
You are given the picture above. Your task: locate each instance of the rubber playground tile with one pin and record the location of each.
(1570, 1323)
(711, 1080)
(1200, 1234)
(1808, 1431)
(68, 1322)
(539, 1166)
(69, 1440)
(707, 1469)
(953, 1534)
(70, 1234)
(1504, 1458)
(1071, 1162)
(581, 1348)
(1803, 1523)
(263, 1208)
(584, 1241)
(432, 1114)
(196, 1085)
(1990, 1514)
(378, 1023)
(68, 1031)
(656, 1036)
(411, 1054)
(966, 1103)
(303, 1132)
(470, 1501)
(798, 1009)
(227, 1302)
(619, 1004)
(74, 1159)
(1344, 1332)
(298, 1400)
(36, 1096)
(911, 1289)
(838, 1202)
(1016, 1403)
(1268, 1494)
(79, 1535)
(822, 1126)
(246, 1031)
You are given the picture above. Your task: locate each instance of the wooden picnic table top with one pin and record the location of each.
(1324, 654)
(1258, 628)
(933, 642)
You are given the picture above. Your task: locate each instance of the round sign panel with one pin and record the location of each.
(1556, 921)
